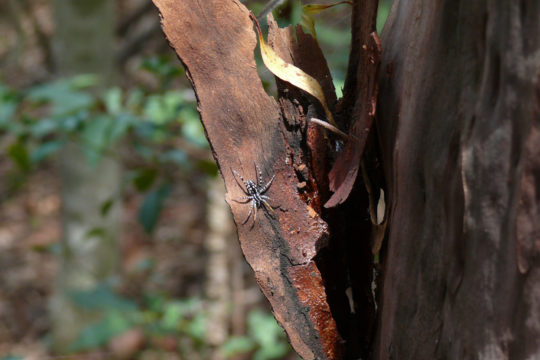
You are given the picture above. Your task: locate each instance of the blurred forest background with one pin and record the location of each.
(115, 239)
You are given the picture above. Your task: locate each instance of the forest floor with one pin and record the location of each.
(30, 233)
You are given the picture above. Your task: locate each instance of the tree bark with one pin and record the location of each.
(459, 126)
(312, 263)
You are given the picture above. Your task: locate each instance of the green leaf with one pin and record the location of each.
(83, 81)
(152, 206)
(99, 333)
(134, 100)
(161, 109)
(197, 327)
(106, 207)
(236, 345)
(120, 126)
(44, 126)
(19, 155)
(192, 128)
(194, 133)
(71, 123)
(96, 137)
(96, 232)
(8, 107)
(172, 314)
(163, 67)
(45, 149)
(101, 297)
(145, 179)
(63, 96)
(268, 335)
(113, 100)
(176, 156)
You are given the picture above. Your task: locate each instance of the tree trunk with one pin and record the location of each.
(460, 132)
(84, 44)
(218, 283)
(307, 259)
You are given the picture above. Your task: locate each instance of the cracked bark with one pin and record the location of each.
(299, 252)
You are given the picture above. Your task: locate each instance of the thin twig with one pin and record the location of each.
(332, 128)
(271, 5)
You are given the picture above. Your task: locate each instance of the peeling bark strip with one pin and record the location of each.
(215, 41)
(359, 98)
(459, 122)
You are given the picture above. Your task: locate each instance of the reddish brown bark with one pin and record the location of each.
(303, 267)
(357, 108)
(245, 126)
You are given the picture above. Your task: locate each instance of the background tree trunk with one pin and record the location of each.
(459, 126)
(84, 44)
(218, 267)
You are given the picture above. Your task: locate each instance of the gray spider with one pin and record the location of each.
(254, 193)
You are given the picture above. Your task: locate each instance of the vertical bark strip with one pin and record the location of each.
(459, 120)
(215, 41)
(358, 105)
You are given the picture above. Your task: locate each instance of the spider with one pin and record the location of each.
(254, 193)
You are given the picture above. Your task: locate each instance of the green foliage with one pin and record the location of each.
(152, 205)
(101, 297)
(184, 319)
(35, 123)
(162, 67)
(98, 334)
(266, 339)
(19, 154)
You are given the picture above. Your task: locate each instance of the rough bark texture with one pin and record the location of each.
(215, 41)
(313, 264)
(357, 107)
(459, 126)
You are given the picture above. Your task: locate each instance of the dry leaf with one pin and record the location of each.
(290, 73)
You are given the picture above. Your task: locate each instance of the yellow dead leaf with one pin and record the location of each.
(290, 73)
(311, 9)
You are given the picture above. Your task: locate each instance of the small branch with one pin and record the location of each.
(271, 5)
(332, 128)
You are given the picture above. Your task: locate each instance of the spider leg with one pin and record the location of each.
(242, 200)
(268, 206)
(258, 174)
(265, 187)
(255, 212)
(236, 175)
(249, 213)
(268, 199)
